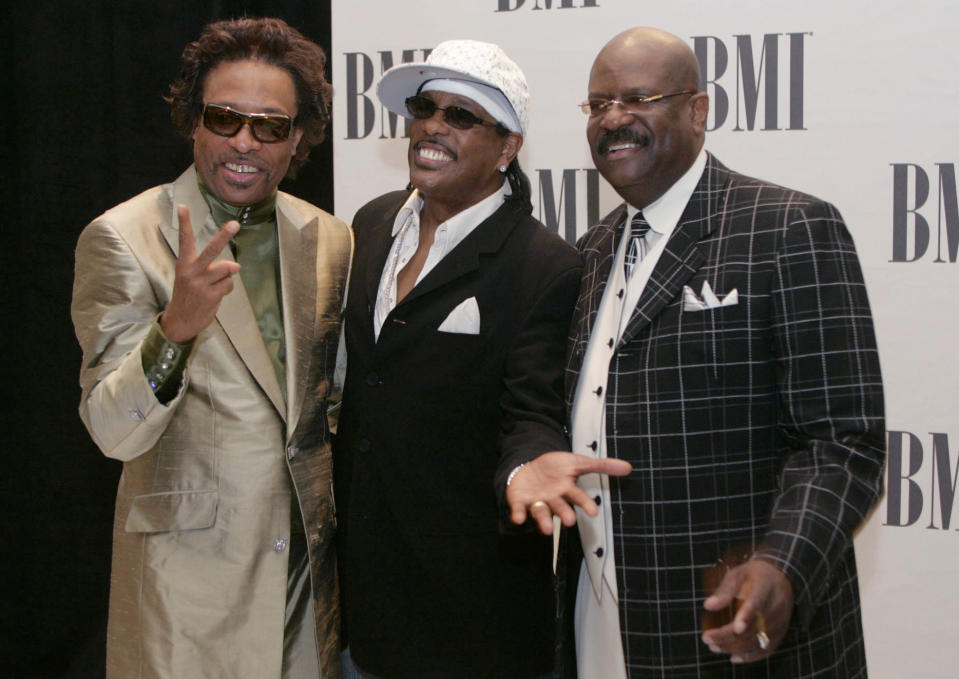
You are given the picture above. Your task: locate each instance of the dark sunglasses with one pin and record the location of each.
(268, 128)
(423, 107)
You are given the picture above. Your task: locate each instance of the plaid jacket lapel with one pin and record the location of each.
(682, 256)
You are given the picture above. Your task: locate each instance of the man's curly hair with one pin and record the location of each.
(271, 41)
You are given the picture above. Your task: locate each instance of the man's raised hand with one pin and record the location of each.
(200, 281)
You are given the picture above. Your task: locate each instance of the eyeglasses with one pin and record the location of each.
(423, 107)
(268, 128)
(632, 103)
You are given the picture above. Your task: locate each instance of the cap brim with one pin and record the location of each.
(405, 80)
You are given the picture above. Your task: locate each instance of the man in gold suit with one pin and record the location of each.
(207, 370)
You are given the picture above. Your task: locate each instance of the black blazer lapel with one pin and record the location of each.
(682, 256)
(488, 236)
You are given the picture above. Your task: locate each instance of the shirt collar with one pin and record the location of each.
(244, 214)
(460, 224)
(663, 213)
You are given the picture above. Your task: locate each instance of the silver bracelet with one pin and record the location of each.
(512, 474)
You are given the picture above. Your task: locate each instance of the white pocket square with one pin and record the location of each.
(464, 319)
(709, 299)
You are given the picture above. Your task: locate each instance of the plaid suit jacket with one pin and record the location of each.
(759, 423)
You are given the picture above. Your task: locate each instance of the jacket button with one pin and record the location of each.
(291, 452)
(598, 500)
(373, 380)
(363, 445)
(593, 445)
(599, 552)
(279, 544)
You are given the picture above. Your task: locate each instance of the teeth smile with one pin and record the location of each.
(621, 147)
(243, 169)
(431, 154)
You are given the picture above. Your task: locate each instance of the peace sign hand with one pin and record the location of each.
(200, 281)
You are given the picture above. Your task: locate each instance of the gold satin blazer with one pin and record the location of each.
(202, 525)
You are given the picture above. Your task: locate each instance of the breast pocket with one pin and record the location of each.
(457, 357)
(724, 346)
(678, 338)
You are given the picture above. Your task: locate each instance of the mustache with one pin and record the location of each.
(240, 158)
(621, 135)
(436, 141)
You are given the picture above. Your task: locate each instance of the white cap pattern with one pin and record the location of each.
(467, 60)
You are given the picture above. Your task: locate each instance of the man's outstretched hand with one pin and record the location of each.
(547, 486)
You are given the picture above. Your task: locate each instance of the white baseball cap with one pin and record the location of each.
(466, 61)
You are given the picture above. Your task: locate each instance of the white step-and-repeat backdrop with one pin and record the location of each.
(853, 101)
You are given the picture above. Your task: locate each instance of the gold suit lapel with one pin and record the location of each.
(235, 314)
(313, 271)
(298, 290)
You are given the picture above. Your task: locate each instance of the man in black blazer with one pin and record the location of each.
(456, 324)
(723, 345)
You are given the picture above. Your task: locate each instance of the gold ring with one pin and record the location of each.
(763, 640)
(538, 503)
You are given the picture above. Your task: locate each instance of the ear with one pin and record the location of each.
(295, 137)
(512, 143)
(699, 110)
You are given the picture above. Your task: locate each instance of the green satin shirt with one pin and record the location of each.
(256, 248)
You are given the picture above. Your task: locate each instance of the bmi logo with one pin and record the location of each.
(915, 212)
(751, 80)
(746, 67)
(921, 482)
(360, 109)
(513, 5)
(556, 198)
(754, 82)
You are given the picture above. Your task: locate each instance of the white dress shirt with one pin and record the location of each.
(406, 236)
(599, 652)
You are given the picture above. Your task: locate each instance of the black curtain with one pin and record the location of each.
(85, 127)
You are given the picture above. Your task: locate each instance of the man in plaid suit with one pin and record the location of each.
(722, 344)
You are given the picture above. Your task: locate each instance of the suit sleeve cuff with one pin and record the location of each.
(164, 363)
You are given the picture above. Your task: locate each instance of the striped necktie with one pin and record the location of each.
(636, 249)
